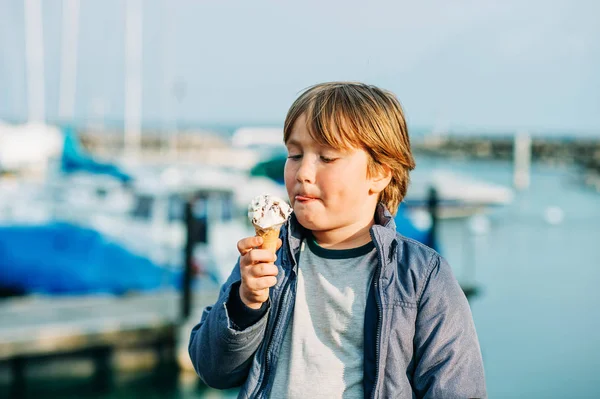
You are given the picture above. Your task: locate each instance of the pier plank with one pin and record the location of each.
(43, 326)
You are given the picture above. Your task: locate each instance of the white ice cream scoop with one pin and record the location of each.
(267, 211)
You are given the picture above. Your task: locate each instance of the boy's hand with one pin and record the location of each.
(258, 271)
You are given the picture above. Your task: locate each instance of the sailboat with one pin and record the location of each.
(95, 226)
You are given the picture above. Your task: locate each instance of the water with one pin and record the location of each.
(537, 318)
(537, 313)
(129, 386)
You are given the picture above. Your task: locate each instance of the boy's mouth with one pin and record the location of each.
(304, 198)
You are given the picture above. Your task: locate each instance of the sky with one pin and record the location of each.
(465, 64)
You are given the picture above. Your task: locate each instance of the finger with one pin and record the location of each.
(279, 243)
(247, 244)
(259, 256)
(263, 269)
(262, 283)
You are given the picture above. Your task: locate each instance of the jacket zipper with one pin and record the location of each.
(379, 319)
(265, 375)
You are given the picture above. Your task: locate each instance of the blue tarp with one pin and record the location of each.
(60, 258)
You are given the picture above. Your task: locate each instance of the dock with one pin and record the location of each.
(36, 327)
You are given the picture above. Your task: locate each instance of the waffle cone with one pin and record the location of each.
(269, 236)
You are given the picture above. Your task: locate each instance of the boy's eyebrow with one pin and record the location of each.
(296, 143)
(293, 142)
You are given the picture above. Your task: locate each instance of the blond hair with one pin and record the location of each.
(346, 115)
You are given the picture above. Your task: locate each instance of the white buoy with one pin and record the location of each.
(479, 224)
(554, 215)
(421, 219)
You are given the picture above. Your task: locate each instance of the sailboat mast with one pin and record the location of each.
(133, 79)
(68, 61)
(169, 83)
(34, 58)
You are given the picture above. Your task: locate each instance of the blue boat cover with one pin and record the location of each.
(61, 258)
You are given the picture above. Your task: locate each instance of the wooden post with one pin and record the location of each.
(433, 203)
(167, 369)
(522, 160)
(18, 378)
(186, 302)
(103, 373)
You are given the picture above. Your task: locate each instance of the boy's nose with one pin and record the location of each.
(305, 173)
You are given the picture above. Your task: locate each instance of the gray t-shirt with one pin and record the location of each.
(322, 352)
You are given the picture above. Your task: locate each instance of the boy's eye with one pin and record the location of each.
(298, 156)
(327, 159)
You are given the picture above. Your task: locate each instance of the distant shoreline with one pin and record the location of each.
(163, 127)
(582, 152)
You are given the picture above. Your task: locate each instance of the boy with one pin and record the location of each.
(347, 307)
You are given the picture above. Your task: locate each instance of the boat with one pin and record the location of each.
(136, 209)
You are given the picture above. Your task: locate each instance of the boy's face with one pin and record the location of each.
(328, 188)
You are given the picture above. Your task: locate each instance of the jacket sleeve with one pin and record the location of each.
(448, 361)
(220, 353)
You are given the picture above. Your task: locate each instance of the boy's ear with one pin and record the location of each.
(381, 179)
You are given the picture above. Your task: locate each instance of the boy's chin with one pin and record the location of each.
(308, 221)
(314, 225)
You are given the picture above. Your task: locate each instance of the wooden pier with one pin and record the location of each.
(95, 326)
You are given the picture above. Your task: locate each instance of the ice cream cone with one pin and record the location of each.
(267, 214)
(269, 236)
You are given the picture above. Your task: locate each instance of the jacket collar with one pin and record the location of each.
(295, 234)
(383, 233)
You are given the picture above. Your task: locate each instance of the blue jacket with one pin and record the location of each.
(419, 337)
